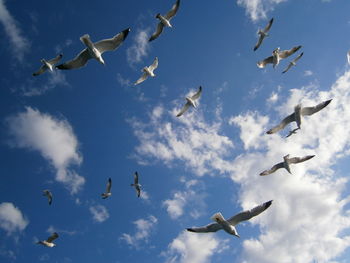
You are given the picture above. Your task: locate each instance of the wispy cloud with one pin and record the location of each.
(11, 218)
(139, 49)
(53, 138)
(308, 73)
(124, 82)
(19, 44)
(53, 229)
(99, 213)
(258, 9)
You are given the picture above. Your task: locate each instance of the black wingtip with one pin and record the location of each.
(267, 204)
(190, 229)
(126, 32)
(269, 132)
(328, 101)
(271, 20)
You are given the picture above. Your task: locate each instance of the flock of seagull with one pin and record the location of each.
(95, 51)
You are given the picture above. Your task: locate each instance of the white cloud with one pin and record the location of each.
(308, 73)
(11, 218)
(273, 98)
(140, 47)
(257, 9)
(144, 228)
(53, 229)
(53, 138)
(99, 213)
(19, 44)
(124, 82)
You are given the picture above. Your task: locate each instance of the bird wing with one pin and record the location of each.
(52, 237)
(138, 190)
(141, 79)
(248, 214)
(77, 62)
(283, 124)
(154, 64)
(311, 110)
(289, 66)
(273, 169)
(49, 195)
(157, 33)
(257, 45)
(109, 185)
(197, 94)
(112, 43)
(287, 53)
(263, 63)
(184, 109)
(173, 10)
(136, 178)
(268, 26)
(41, 70)
(298, 57)
(55, 60)
(205, 229)
(292, 132)
(300, 159)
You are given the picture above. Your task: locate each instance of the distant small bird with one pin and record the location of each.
(165, 20)
(95, 50)
(294, 131)
(48, 242)
(136, 184)
(48, 65)
(285, 164)
(229, 225)
(190, 102)
(296, 115)
(293, 63)
(108, 189)
(263, 33)
(48, 194)
(148, 71)
(277, 55)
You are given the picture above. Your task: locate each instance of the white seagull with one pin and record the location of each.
(285, 164)
(263, 33)
(229, 225)
(293, 62)
(108, 189)
(49, 195)
(148, 71)
(136, 184)
(277, 55)
(94, 50)
(165, 20)
(48, 65)
(48, 242)
(190, 102)
(296, 115)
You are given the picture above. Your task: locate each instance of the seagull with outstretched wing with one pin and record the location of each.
(293, 62)
(108, 189)
(48, 194)
(262, 34)
(48, 65)
(277, 55)
(48, 242)
(229, 225)
(190, 102)
(136, 184)
(148, 71)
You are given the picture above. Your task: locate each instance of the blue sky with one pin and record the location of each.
(70, 131)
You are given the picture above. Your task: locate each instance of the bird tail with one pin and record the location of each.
(218, 217)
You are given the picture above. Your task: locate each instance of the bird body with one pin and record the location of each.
(226, 226)
(48, 194)
(93, 51)
(48, 242)
(148, 71)
(190, 101)
(108, 189)
(163, 20)
(136, 184)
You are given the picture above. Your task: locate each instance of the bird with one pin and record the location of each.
(148, 71)
(229, 225)
(277, 55)
(296, 115)
(294, 131)
(262, 34)
(136, 184)
(48, 65)
(49, 195)
(95, 50)
(293, 62)
(165, 20)
(108, 189)
(190, 102)
(285, 164)
(48, 242)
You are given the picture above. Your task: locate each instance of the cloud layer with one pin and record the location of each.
(99, 213)
(11, 218)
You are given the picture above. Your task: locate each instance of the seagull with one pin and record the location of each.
(48, 194)
(190, 102)
(136, 184)
(277, 55)
(48, 65)
(108, 189)
(294, 131)
(285, 164)
(48, 242)
(229, 225)
(165, 20)
(296, 115)
(148, 71)
(293, 63)
(263, 33)
(94, 50)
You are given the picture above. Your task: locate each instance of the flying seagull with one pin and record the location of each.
(136, 184)
(296, 115)
(294, 131)
(285, 164)
(229, 225)
(148, 71)
(277, 55)
(190, 102)
(49, 195)
(94, 50)
(48, 242)
(165, 20)
(293, 62)
(48, 65)
(108, 189)
(263, 33)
